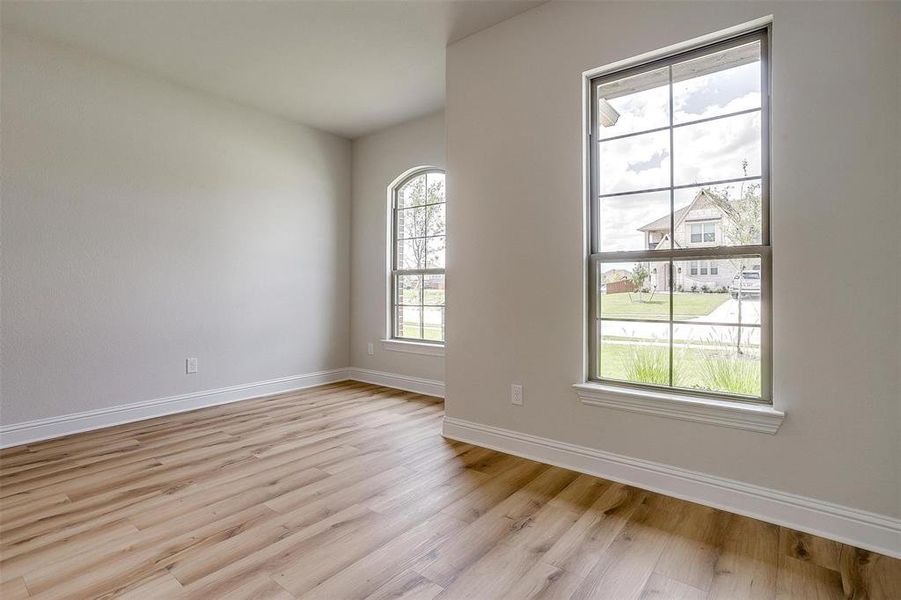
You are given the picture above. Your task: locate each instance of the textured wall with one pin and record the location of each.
(144, 223)
(378, 160)
(514, 156)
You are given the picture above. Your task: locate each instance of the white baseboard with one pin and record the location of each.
(430, 387)
(871, 531)
(42, 429)
(53, 427)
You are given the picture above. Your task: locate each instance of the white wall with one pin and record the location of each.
(144, 223)
(514, 146)
(378, 160)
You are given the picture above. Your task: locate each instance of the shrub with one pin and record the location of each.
(730, 374)
(705, 288)
(694, 287)
(648, 364)
(680, 288)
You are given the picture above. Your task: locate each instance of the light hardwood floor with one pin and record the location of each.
(349, 491)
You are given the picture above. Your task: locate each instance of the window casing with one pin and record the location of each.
(418, 238)
(659, 145)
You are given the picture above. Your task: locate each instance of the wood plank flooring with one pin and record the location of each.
(349, 491)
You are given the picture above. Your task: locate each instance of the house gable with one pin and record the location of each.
(701, 209)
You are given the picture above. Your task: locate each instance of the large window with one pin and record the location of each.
(679, 277)
(417, 257)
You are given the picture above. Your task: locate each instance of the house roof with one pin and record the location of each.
(663, 244)
(662, 224)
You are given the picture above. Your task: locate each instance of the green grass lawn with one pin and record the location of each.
(431, 332)
(704, 368)
(685, 305)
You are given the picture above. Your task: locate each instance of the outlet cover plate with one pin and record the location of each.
(516, 394)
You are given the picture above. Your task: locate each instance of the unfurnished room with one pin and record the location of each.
(450, 299)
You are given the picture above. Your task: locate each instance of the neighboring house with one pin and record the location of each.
(698, 225)
(612, 275)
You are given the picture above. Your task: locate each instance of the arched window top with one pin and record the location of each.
(418, 234)
(419, 186)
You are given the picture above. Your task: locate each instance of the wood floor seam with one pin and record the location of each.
(349, 491)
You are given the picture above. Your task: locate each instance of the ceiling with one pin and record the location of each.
(350, 67)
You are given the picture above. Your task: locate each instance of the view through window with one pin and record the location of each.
(417, 269)
(680, 258)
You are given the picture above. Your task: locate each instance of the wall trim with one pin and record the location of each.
(879, 533)
(429, 387)
(38, 430)
(738, 415)
(413, 347)
(52, 427)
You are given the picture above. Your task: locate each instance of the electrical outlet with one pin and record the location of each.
(191, 365)
(370, 348)
(516, 394)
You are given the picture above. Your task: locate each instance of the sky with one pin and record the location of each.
(702, 152)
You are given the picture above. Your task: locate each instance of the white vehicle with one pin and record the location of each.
(745, 283)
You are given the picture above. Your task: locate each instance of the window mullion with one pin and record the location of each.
(708, 259)
(682, 253)
(396, 270)
(672, 219)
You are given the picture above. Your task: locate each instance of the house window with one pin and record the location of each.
(417, 257)
(679, 151)
(703, 267)
(703, 232)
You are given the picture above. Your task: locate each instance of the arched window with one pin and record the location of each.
(417, 257)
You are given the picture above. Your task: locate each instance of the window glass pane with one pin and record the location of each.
(696, 236)
(714, 301)
(435, 187)
(411, 253)
(634, 163)
(433, 323)
(717, 84)
(409, 289)
(729, 292)
(716, 358)
(433, 290)
(411, 222)
(634, 222)
(435, 252)
(727, 148)
(408, 322)
(412, 193)
(636, 352)
(634, 290)
(634, 104)
(733, 213)
(434, 220)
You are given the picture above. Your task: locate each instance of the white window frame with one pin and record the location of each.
(391, 341)
(720, 409)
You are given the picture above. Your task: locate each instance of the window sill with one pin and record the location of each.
(738, 415)
(413, 347)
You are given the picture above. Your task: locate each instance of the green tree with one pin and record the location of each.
(639, 278)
